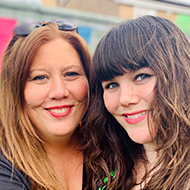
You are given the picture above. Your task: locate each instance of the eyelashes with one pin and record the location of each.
(71, 74)
(111, 85)
(39, 77)
(42, 78)
(141, 77)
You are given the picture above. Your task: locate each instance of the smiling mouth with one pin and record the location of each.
(59, 112)
(136, 115)
(62, 110)
(135, 118)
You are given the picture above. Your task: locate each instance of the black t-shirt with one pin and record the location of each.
(10, 177)
(13, 179)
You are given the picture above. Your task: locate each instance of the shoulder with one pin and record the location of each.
(10, 177)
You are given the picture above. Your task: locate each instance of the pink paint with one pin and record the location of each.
(6, 33)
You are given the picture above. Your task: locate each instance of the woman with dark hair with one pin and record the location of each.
(139, 114)
(43, 98)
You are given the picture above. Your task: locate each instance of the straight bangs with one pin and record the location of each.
(117, 52)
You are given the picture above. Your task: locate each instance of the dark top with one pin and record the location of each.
(13, 179)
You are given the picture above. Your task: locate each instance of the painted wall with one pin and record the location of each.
(127, 11)
(105, 7)
(6, 33)
(183, 22)
(91, 26)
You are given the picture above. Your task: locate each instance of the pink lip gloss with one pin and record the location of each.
(137, 119)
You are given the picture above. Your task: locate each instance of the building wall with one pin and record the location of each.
(170, 16)
(120, 8)
(83, 11)
(129, 9)
(92, 26)
(106, 7)
(130, 12)
(126, 11)
(49, 2)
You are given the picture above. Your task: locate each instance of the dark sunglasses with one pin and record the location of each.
(26, 29)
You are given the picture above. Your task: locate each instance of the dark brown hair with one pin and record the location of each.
(157, 43)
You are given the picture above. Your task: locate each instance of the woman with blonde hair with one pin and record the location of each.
(43, 98)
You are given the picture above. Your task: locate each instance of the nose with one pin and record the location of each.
(128, 95)
(58, 89)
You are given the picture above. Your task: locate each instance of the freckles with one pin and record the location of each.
(147, 93)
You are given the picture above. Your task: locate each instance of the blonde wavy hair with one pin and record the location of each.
(19, 139)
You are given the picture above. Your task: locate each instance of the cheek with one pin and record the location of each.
(147, 92)
(28, 94)
(110, 102)
(33, 96)
(81, 90)
(149, 96)
(150, 89)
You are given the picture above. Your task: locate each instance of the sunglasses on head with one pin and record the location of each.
(26, 29)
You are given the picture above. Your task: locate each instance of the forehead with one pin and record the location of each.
(57, 51)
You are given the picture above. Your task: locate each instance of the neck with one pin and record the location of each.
(67, 161)
(62, 145)
(151, 154)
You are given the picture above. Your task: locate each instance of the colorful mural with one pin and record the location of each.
(86, 33)
(183, 22)
(6, 33)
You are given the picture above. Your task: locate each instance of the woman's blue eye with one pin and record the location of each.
(142, 77)
(39, 77)
(71, 74)
(112, 85)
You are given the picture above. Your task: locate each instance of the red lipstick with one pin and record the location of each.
(60, 111)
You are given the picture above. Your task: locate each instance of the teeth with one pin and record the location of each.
(137, 115)
(59, 110)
